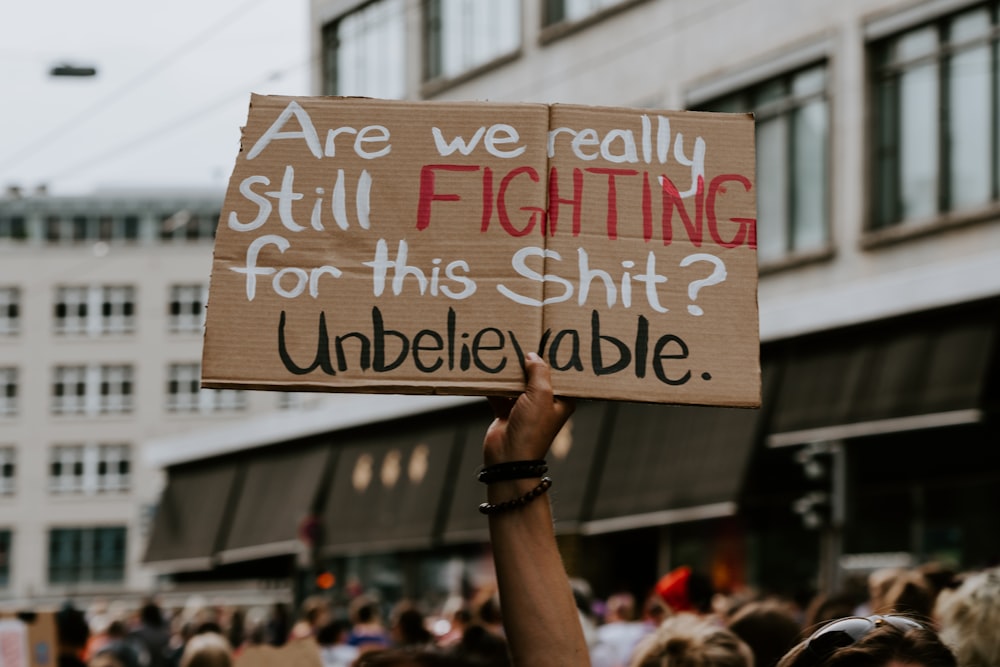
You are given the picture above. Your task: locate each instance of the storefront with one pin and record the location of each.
(879, 438)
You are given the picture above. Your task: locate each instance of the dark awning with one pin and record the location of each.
(388, 486)
(571, 462)
(186, 530)
(919, 372)
(668, 464)
(279, 490)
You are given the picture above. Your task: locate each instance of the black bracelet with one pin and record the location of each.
(502, 472)
(496, 508)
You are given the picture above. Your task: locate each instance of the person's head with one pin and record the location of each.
(364, 610)
(620, 607)
(209, 649)
(969, 618)
(873, 641)
(768, 627)
(908, 593)
(72, 629)
(828, 607)
(407, 625)
(685, 640)
(333, 632)
(151, 615)
(407, 658)
(115, 654)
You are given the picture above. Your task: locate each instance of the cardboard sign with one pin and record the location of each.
(383, 246)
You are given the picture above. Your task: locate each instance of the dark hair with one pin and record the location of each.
(768, 628)
(150, 614)
(407, 658)
(879, 647)
(71, 627)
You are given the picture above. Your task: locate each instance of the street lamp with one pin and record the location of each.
(70, 70)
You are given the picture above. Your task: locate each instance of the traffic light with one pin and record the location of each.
(815, 507)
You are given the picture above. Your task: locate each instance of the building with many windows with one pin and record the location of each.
(878, 188)
(102, 301)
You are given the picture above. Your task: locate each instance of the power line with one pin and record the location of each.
(170, 126)
(128, 87)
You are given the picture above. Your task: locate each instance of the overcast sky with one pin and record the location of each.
(173, 84)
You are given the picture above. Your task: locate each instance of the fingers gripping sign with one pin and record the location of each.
(525, 426)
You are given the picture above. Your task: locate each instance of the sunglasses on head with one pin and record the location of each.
(845, 631)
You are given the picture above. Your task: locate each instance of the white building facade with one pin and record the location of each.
(102, 302)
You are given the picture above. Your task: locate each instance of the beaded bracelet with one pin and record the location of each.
(502, 472)
(496, 508)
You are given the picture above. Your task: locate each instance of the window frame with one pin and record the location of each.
(81, 561)
(182, 296)
(434, 77)
(9, 391)
(880, 37)
(197, 400)
(86, 469)
(747, 85)
(93, 390)
(10, 310)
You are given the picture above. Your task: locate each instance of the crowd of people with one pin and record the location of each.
(909, 617)
(932, 617)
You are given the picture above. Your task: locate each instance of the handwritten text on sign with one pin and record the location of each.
(382, 246)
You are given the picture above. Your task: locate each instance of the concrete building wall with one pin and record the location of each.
(674, 54)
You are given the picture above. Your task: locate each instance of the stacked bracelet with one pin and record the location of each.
(521, 501)
(502, 472)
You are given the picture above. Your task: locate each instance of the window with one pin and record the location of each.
(95, 310)
(71, 310)
(185, 225)
(464, 34)
(116, 389)
(90, 469)
(364, 52)
(87, 555)
(80, 228)
(187, 308)
(792, 161)
(8, 391)
(10, 311)
(92, 390)
(5, 540)
(559, 11)
(936, 95)
(8, 470)
(184, 392)
(13, 226)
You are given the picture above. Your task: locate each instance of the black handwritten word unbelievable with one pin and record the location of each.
(382, 350)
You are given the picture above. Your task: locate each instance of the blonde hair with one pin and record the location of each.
(686, 640)
(208, 649)
(969, 617)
